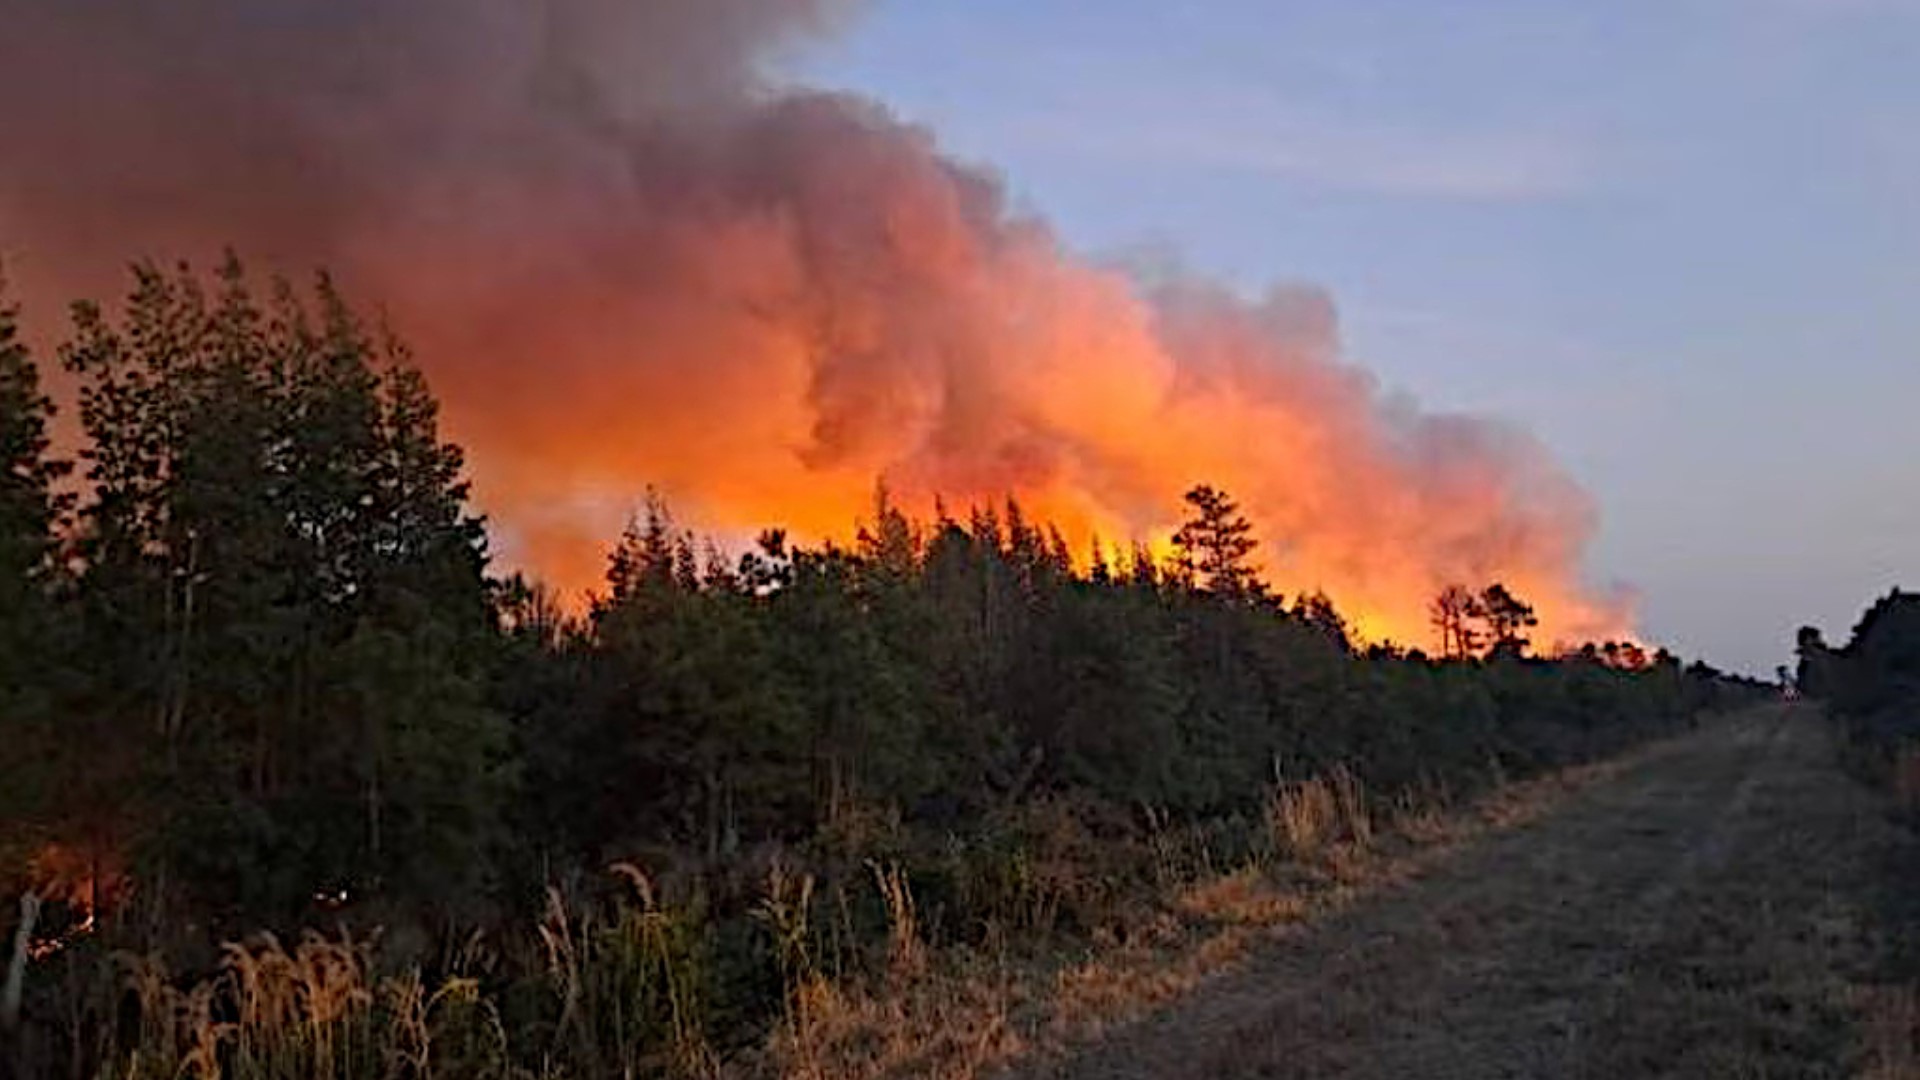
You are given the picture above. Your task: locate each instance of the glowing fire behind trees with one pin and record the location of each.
(626, 260)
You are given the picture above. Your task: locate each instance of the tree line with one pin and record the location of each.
(1871, 684)
(255, 671)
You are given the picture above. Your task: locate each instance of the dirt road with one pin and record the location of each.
(1699, 913)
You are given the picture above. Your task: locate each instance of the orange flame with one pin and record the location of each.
(85, 877)
(626, 261)
(892, 321)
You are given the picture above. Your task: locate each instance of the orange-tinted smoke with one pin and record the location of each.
(626, 260)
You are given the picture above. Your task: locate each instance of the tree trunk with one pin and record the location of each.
(11, 991)
(373, 811)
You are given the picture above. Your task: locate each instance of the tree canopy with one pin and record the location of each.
(260, 667)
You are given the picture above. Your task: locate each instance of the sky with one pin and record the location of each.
(1679, 240)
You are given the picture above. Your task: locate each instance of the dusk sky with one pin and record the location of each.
(1680, 241)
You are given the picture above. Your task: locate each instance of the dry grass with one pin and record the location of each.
(1302, 817)
(906, 952)
(625, 980)
(866, 991)
(786, 910)
(630, 984)
(950, 1021)
(1701, 915)
(1422, 821)
(313, 1011)
(1305, 818)
(1246, 896)
(1350, 803)
(961, 1012)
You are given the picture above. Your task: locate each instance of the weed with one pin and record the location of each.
(906, 953)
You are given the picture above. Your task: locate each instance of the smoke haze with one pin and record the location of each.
(627, 258)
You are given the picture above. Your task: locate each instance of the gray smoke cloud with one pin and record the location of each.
(297, 125)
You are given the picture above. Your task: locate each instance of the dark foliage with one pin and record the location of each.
(272, 687)
(1872, 684)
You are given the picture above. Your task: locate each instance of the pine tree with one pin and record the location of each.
(29, 506)
(32, 759)
(285, 595)
(1316, 610)
(1214, 545)
(1507, 618)
(412, 631)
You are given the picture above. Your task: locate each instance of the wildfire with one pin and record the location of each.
(85, 881)
(626, 260)
(1092, 405)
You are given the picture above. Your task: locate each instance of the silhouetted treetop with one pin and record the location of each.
(1214, 544)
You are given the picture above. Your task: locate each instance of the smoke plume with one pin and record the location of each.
(626, 258)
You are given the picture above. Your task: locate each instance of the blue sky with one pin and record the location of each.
(1678, 239)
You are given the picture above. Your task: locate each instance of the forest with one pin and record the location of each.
(294, 781)
(1871, 688)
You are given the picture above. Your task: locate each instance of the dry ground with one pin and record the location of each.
(1702, 911)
